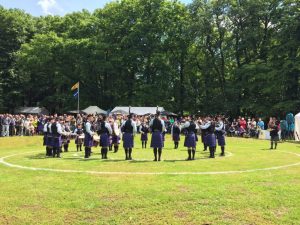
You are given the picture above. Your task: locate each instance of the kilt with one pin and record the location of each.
(56, 141)
(144, 137)
(190, 140)
(49, 140)
(88, 140)
(211, 140)
(157, 140)
(275, 137)
(65, 140)
(79, 141)
(221, 139)
(176, 137)
(128, 140)
(115, 139)
(104, 140)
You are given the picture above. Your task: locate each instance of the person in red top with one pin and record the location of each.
(243, 123)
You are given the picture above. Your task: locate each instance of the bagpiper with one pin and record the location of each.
(157, 127)
(104, 131)
(220, 134)
(190, 138)
(210, 138)
(128, 129)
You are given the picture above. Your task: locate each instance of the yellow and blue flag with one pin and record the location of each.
(75, 86)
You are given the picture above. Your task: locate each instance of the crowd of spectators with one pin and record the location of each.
(28, 125)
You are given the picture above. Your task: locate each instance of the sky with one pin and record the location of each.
(56, 7)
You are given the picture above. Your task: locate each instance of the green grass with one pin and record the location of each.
(44, 197)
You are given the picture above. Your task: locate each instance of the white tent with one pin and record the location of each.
(94, 110)
(297, 127)
(137, 110)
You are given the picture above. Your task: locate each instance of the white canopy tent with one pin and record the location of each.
(137, 110)
(297, 127)
(94, 110)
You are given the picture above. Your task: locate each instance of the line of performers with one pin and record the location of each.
(57, 135)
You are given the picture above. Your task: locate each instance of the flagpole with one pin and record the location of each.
(78, 99)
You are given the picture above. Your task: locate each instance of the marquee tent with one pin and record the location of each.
(137, 110)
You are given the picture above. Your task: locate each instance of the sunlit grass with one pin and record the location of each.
(41, 197)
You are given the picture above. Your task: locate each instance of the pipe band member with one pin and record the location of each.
(220, 134)
(274, 134)
(128, 129)
(104, 131)
(144, 130)
(79, 140)
(175, 133)
(157, 127)
(88, 136)
(56, 130)
(210, 138)
(190, 138)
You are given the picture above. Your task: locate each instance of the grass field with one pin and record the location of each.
(254, 191)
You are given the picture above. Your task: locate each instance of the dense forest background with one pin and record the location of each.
(229, 56)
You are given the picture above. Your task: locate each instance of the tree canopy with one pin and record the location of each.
(212, 56)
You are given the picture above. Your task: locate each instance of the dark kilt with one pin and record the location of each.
(49, 140)
(104, 140)
(79, 141)
(204, 138)
(221, 138)
(190, 140)
(275, 137)
(65, 139)
(56, 141)
(211, 140)
(176, 137)
(115, 139)
(144, 137)
(88, 140)
(128, 140)
(157, 140)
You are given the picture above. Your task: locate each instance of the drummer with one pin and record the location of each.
(88, 136)
(79, 137)
(115, 138)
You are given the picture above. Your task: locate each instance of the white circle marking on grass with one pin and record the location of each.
(2, 161)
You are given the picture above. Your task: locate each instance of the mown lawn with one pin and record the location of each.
(45, 197)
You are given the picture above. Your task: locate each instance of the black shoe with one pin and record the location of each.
(155, 160)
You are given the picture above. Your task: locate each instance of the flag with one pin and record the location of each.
(75, 86)
(75, 94)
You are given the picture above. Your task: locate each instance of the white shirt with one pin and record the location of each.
(107, 125)
(220, 127)
(88, 128)
(187, 124)
(206, 125)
